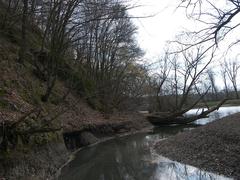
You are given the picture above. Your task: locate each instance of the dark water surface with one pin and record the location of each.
(133, 158)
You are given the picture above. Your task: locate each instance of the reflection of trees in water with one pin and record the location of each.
(177, 171)
(130, 158)
(222, 112)
(133, 164)
(166, 131)
(119, 160)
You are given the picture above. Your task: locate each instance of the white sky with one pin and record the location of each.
(154, 32)
(168, 21)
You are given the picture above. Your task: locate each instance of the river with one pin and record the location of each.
(133, 158)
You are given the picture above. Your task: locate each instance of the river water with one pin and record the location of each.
(133, 158)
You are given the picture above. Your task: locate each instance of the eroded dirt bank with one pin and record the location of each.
(214, 147)
(40, 163)
(84, 134)
(44, 160)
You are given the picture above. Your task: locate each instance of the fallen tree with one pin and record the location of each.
(182, 83)
(167, 118)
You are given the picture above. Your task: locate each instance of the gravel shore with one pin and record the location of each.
(214, 147)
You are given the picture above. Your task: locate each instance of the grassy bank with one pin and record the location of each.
(231, 102)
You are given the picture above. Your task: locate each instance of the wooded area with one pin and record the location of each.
(91, 46)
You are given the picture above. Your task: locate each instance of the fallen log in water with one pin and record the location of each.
(167, 118)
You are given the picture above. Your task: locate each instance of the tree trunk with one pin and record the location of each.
(23, 33)
(4, 143)
(236, 91)
(176, 118)
(50, 86)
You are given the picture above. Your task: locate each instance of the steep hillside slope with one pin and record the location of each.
(33, 130)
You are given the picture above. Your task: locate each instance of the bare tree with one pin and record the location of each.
(224, 78)
(217, 21)
(23, 47)
(159, 79)
(184, 83)
(211, 77)
(101, 35)
(195, 65)
(57, 28)
(232, 67)
(97, 36)
(107, 50)
(11, 10)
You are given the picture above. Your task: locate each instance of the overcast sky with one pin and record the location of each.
(164, 25)
(153, 32)
(168, 21)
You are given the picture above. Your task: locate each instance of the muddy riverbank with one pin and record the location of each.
(45, 160)
(98, 131)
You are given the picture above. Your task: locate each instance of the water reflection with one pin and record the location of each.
(132, 158)
(129, 158)
(170, 170)
(222, 112)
